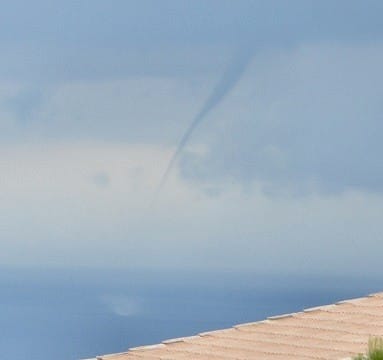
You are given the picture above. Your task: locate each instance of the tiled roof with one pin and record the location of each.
(335, 331)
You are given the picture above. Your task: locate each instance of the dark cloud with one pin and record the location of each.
(24, 104)
(101, 179)
(55, 41)
(309, 123)
(312, 122)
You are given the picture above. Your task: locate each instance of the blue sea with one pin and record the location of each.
(67, 314)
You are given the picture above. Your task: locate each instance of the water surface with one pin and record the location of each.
(50, 314)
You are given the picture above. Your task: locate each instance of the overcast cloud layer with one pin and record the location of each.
(95, 97)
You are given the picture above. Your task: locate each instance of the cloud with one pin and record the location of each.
(101, 179)
(141, 110)
(307, 120)
(71, 41)
(50, 215)
(99, 95)
(24, 104)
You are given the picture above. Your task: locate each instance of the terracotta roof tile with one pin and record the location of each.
(336, 331)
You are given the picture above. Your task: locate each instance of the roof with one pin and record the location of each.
(336, 331)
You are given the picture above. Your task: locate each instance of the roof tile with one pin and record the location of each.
(336, 331)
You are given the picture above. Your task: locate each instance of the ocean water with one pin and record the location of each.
(69, 314)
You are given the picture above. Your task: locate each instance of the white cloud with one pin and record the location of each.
(52, 213)
(136, 110)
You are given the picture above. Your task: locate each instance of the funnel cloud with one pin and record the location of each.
(227, 82)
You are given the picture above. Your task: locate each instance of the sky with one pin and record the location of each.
(281, 171)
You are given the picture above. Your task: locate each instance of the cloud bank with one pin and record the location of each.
(306, 120)
(95, 96)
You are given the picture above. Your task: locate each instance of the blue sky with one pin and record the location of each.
(282, 174)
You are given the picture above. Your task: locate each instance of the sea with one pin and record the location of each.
(79, 313)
